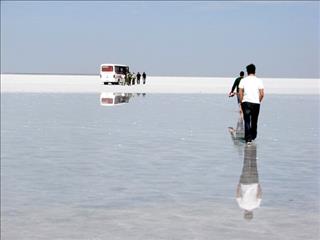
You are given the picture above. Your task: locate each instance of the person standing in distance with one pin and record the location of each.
(144, 76)
(138, 78)
(251, 93)
(236, 86)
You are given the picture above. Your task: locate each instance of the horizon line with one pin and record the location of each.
(91, 74)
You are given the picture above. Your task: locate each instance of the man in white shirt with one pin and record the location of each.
(251, 93)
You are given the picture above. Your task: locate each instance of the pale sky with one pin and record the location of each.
(215, 39)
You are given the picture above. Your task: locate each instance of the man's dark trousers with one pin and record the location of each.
(250, 115)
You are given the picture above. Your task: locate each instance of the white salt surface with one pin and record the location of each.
(162, 166)
(92, 84)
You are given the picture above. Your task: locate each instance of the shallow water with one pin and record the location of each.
(162, 166)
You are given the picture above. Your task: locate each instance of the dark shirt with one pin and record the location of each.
(236, 84)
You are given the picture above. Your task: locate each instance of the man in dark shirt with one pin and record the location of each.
(138, 78)
(144, 76)
(236, 86)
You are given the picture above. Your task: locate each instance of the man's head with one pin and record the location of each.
(248, 215)
(241, 73)
(251, 69)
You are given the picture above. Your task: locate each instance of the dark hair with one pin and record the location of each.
(241, 73)
(251, 69)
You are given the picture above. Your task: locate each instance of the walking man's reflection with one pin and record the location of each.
(237, 134)
(249, 192)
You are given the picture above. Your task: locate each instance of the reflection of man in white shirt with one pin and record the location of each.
(249, 192)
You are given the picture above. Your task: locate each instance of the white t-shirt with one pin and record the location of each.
(249, 199)
(251, 86)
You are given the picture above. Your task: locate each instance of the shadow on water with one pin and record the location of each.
(113, 98)
(249, 194)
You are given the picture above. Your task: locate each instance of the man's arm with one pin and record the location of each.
(235, 84)
(231, 93)
(238, 194)
(261, 94)
(259, 192)
(241, 91)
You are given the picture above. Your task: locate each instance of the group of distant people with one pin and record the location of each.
(132, 78)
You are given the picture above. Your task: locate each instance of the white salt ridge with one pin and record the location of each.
(155, 84)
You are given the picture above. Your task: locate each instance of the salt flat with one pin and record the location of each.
(162, 166)
(155, 84)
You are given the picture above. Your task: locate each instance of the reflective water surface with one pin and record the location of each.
(161, 166)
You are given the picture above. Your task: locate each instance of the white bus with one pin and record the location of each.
(113, 73)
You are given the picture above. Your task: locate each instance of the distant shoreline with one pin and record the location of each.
(42, 83)
(177, 76)
(59, 74)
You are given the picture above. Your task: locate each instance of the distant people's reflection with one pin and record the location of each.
(249, 192)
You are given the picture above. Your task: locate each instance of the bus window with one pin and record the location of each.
(107, 100)
(107, 68)
(120, 70)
